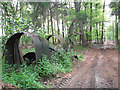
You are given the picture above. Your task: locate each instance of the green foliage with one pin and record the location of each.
(44, 67)
(21, 77)
(82, 16)
(115, 7)
(80, 48)
(60, 62)
(118, 48)
(30, 76)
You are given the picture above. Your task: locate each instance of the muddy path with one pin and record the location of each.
(99, 69)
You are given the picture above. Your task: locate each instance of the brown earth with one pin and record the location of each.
(99, 69)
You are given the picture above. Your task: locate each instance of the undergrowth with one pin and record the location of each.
(30, 76)
(118, 48)
(80, 48)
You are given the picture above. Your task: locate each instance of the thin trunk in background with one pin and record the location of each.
(77, 8)
(58, 26)
(43, 25)
(58, 29)
(97, 31)
(90, 21)
(118, 23)
(116, 30)
(103, 23)
(63, 28)
(86, 25)
(52, 25)
(21, 7)
(96, 22)
(55, 32)
(113, 30)
(48, 24)
(2, 21)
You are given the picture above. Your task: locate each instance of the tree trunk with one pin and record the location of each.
(52, 25)
(96, 6)
(119, 22)
(48, 24)
(97, 31)
(63, 28)
(58, 27)
(86, 26)
(113, 31)
(102, 33)
(90, 21)
(77, 8)
(116, 30)
(103, 23)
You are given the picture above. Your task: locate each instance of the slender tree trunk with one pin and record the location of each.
(87, 34)
(43, 25)
(48, 24)
(52, 25)
(113, 31)
(63, 28)
(90, 21)
(86, 26)
(116, 31)
(103, 23)
(119, 22)
(102, 33)
(21, 7)
(58, 27)
(2, 20)
(97, 31)
(55, 32)
(96, 6)
(77, 8)
(2, 23)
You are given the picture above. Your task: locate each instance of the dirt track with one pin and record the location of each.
(98, 70)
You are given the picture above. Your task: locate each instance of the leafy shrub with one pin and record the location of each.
(44, 67)
(80, 48)
(29, 76)
(118, 48)
(21, 77)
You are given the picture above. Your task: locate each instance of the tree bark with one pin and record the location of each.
(116, 30)
(77, 8)
(58, 27)
(90, 21)
(86, 26)
(96, 6)
(97, 31)
(113, 31)
(63, 28)
(52, 25)
(119, 22)
(103, 23)
(48, 24)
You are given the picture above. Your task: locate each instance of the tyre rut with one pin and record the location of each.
(98, 70)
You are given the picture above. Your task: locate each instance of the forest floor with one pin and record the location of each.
(99, 69)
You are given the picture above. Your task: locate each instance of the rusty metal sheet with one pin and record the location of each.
(13, 53)
(45, 46)
(11, 50)
(64, 43)
(62, 40)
